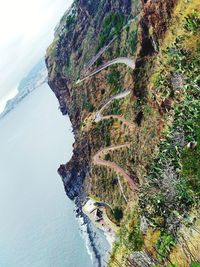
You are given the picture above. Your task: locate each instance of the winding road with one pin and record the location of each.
(100, 117)
(124, 121)
(97, 158)
(97, 56)
(99, 161)
(120, 60)
(102, 50)
(118, 96)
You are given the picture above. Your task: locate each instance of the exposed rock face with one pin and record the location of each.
(154, 22)
(74, 172)
(140, 259)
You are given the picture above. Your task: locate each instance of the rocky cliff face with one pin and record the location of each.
(135, 124)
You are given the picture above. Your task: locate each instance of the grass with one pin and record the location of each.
(190, 159)
(171, 190)
(184, 162)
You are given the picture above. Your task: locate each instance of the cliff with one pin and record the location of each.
(127, 74)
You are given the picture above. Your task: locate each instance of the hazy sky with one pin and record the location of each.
(26, 30)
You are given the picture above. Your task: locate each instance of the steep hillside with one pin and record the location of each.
(127, 74)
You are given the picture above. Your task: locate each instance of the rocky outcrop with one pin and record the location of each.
(74, 172)
(140, 259)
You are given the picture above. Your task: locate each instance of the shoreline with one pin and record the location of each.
(97, 242)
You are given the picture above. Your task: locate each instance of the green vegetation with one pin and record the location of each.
(113, 79)
(101, 130)
(133, 41)
(191, 161)
(70, 20)
(130, 234)
(112, 25)
(116, 107)
(135, 239)
(164, 244)
(108, 157)
(195, 264)
(118, 214)
(88, 106)
(192, 22)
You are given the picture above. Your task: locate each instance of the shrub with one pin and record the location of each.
(70, 20)
(191, 163)
(133, 41)
(112, 25)
(118, 214)
(88, 106)
(135, 240)
(164, 244)
(113, 79)
(192, 22)
(116, 108)
(108, 157)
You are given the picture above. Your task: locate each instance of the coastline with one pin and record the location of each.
(96, 240)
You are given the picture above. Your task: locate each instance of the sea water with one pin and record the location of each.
(38, 227)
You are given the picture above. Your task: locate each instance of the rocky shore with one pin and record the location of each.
(96, 240)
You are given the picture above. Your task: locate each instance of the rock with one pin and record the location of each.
(143, 225)
(177, 82)
(192, 145)
(178, 137)
(141, 259)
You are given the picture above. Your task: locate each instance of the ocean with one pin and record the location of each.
(38, 227)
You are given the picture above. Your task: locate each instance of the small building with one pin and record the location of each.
(98, 215)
